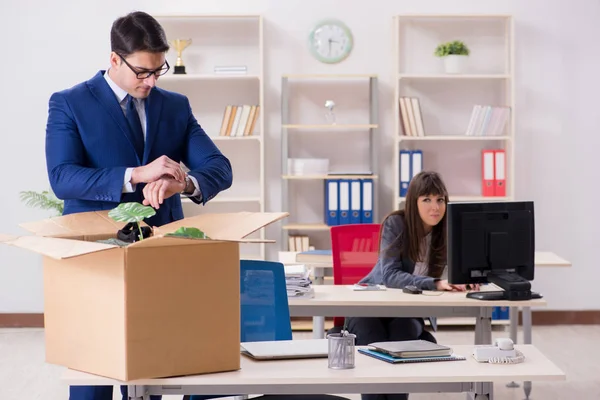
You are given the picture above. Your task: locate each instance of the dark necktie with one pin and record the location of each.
(135, 125)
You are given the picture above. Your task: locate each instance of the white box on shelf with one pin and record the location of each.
(308, 166)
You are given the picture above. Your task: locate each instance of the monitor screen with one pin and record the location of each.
(492, 242)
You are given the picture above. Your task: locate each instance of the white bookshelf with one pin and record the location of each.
(224, 40)
(306, 133)
(446, 100)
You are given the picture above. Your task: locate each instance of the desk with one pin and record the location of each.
(369, 376)
(341, 300)
(542, 259)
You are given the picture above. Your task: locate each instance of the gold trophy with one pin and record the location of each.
(179, 45)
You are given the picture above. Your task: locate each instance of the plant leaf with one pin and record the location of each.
(131, 212)
(193, 233)
(45, 200)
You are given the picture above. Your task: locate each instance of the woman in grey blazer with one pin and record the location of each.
(412, 251)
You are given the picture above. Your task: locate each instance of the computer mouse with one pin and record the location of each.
(411, 289)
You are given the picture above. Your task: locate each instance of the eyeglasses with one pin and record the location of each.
(146, 73)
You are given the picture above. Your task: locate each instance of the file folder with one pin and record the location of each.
(500, 172)
(416, 162)
(405, 164)
(367, 201)
(488, 174)
(355, 201)
(331, 202)
(344, 192)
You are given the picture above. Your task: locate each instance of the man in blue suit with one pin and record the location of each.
(117, 138)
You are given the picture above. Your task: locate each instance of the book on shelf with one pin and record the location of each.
(488, 120)
(239, 120)
(411, 117)
(298, 243)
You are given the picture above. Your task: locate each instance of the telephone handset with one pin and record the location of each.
(502, 352)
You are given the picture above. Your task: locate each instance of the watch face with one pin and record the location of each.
(330, 42)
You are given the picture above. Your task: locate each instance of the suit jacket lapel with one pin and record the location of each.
(100, 89)
(153, 109)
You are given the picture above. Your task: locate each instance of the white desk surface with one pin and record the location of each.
(542, 259)
(343, 295)
(292, 375)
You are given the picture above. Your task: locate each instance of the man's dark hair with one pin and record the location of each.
(137, 31)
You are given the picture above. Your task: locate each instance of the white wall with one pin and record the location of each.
(53, 45)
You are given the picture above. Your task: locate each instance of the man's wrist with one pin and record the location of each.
(189, 186)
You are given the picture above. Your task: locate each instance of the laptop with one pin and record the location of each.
(285, 349)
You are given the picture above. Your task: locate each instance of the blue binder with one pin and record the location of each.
(355, 201)
(367, 201)
(405, 167)
(332, 202)
(344, 203)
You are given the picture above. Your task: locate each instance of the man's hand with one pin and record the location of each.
(163, 188)
(156, 170)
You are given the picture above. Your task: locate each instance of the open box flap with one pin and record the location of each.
(90, 225)
(226, 226)
(55, 247)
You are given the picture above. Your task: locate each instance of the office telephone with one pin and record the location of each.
(502, 352)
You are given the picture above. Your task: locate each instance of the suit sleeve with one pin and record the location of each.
(66, 158)
(210, 168)
(394, 274)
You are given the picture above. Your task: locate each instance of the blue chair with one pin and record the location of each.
(265, 314)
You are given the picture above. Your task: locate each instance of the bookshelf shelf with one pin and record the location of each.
(432, 106)
(207, 77)
(306, 227)
(351, 171)
(331, 126)
(321, 177)
(459, 198)
(453, 76)
(218, 43)
(234, 138)
(451, 137)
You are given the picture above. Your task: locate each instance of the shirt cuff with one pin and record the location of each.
(127, 186)
(197, 192)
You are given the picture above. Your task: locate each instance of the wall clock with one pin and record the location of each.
(330, 41)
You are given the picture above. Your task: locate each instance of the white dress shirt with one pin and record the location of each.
(141, 110)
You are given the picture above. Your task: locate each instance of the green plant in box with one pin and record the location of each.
(193, 233)
(132, 212)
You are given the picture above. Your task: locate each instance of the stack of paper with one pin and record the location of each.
(297, 281)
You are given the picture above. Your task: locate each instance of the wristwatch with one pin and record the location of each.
(188, 183)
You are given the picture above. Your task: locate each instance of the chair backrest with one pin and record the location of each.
(265, 314)
(354, 249)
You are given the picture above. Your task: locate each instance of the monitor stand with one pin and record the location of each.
(515, 288)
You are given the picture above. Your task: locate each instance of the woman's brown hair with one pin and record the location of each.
(425, 183)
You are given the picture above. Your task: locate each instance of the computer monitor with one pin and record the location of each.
(492, 242)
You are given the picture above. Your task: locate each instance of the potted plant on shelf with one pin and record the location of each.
(454, 54)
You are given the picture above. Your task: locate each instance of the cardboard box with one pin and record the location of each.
(164, 306)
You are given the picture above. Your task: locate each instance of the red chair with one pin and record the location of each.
(354, 249)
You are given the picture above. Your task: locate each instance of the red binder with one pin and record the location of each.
(500, 172)
(488, 174)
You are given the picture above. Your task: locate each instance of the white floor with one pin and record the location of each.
(25, 375)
